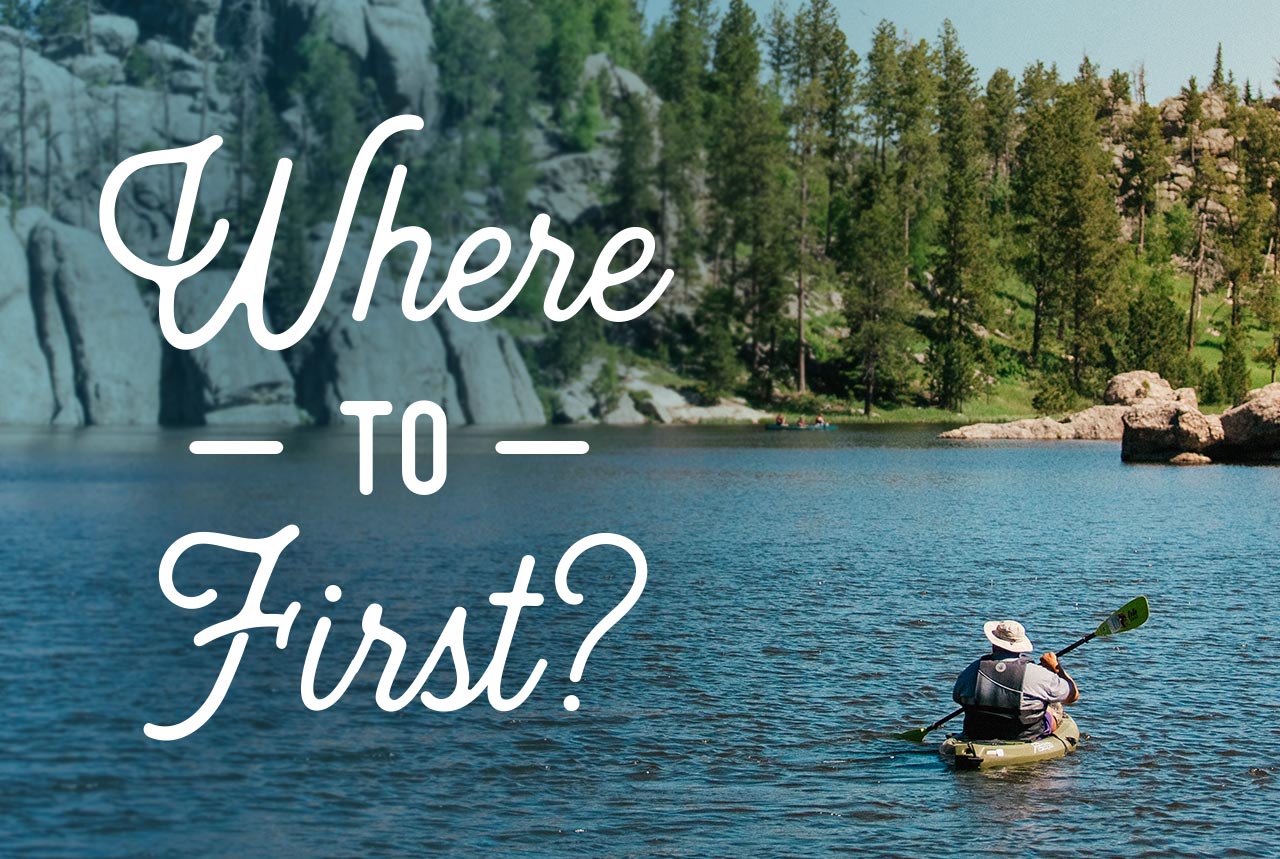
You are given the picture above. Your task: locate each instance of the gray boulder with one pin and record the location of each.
(1129, 389)
(231, 379)
(1030, 429)
(569, 187)
(1252, 428)
(89, 310)
(26, 392)
(1160, 431)
(1097, 423)
(400, 48)
(387, 357)
(392, 38)
(114, 34)
(624, 413)
(618, 81)
(491, 374)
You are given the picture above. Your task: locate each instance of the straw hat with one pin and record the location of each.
(1008, 635)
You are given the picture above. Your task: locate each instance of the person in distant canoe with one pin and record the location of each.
(780, 420)
(800, 423)
(819, 421)
(1007, 696)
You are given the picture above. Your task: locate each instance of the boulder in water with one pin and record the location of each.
(1159, 432)
(1252, 429)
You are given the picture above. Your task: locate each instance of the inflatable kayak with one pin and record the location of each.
(966, 754)
(793, 427)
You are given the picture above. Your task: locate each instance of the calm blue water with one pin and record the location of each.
(808, 595)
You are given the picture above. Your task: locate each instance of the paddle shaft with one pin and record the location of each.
(1062, 652)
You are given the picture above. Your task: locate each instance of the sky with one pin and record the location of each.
(1174, 38)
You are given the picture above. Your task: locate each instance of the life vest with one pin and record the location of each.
(993, 709)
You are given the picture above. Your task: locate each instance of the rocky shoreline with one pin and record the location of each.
(1154, 422)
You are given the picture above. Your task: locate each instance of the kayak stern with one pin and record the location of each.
(964, 754)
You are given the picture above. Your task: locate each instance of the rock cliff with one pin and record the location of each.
(81, 341)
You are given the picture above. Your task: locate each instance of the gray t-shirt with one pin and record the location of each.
(1040, 686)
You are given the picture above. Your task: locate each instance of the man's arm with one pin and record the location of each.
(1050, 661)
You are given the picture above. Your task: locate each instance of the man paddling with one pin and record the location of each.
(1005, 695)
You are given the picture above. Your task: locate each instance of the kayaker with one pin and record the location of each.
(800, 423)
(819, 421)
(780, 420)
(1007, 696)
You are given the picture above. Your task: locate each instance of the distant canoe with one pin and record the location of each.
(775, 427)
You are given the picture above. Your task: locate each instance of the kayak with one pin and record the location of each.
(793, 427)
(970, 755)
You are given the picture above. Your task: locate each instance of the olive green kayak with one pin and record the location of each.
(966, 754)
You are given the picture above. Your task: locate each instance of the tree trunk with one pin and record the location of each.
(48, 157)
(22, 116)
(804, 252)
(871, 386)
(1037, 326)
(906, 247)
(1193, 311)
(1142, 228)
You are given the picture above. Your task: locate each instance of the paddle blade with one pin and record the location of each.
(915, 735)
(1133, 615)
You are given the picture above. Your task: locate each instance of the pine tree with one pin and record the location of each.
(679, 70)
(63, 23)
(1218, 81)
(1144, 166)
(877, 301)
(1154, 331)
(963, 266)
(919, 165)
(330, 90)
(1233, 372)
(819, 84)
(21, 16)
(734, 136)
(999, 120)
(881, 90)
(521, 27)
(634, 200)
(1036, 184)
(1192, 114)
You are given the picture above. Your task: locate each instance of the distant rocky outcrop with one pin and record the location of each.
(1177, 433)
(1096, 423)
(639, 400)
(393, 39)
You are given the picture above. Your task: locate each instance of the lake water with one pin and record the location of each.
(809, 594)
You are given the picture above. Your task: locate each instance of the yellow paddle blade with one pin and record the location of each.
(1133, 615)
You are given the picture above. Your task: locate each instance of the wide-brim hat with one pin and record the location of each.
(1008, 635)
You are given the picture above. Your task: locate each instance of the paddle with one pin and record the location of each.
(1131, 616)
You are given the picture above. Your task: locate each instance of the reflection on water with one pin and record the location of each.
(809, 594)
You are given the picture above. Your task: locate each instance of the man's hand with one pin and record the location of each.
(1050, 661)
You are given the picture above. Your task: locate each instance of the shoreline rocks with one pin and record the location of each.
(1156, 423)
(1096, 423)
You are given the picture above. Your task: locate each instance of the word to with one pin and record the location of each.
(251, 616)
(249, 285)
